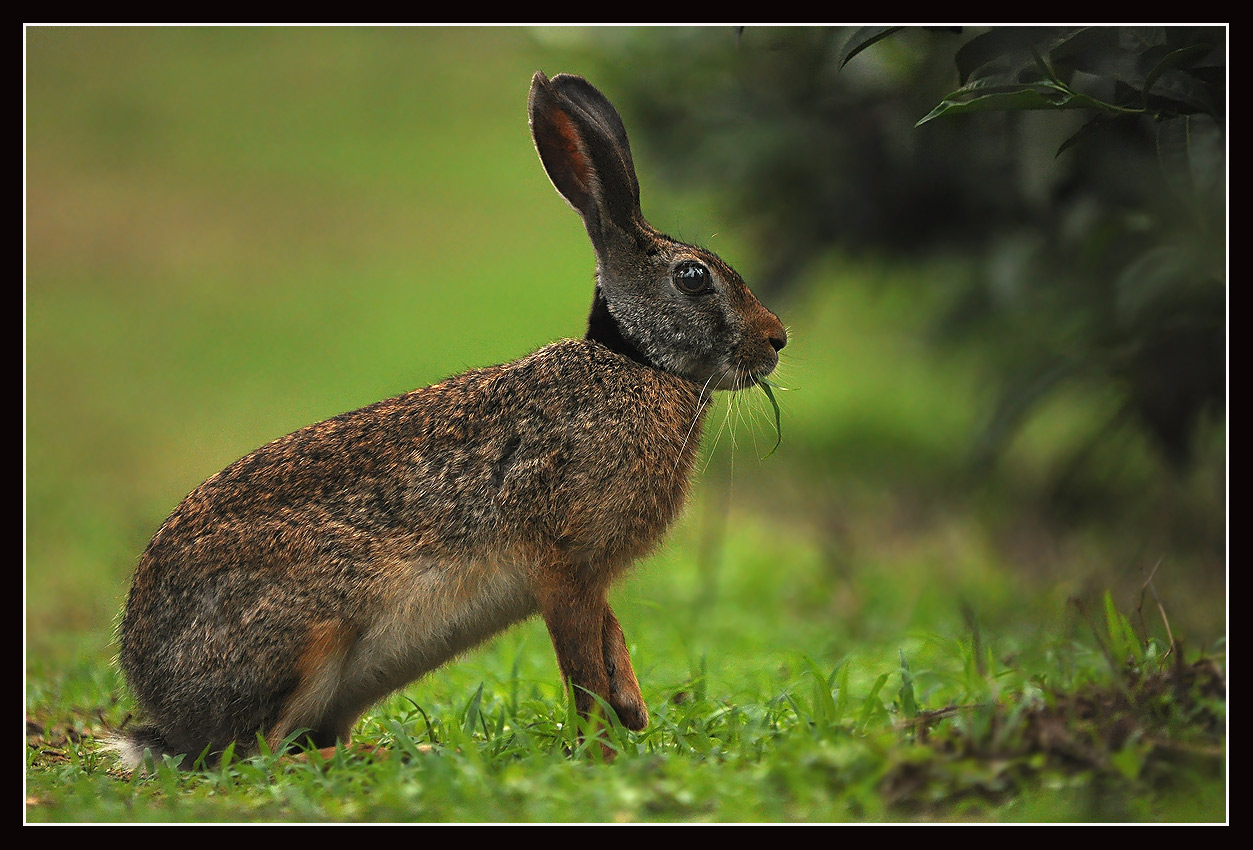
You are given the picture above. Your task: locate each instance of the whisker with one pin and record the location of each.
(702, 403)
(744, 407)
(723, 424)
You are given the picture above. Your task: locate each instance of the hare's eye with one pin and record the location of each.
(691, 278)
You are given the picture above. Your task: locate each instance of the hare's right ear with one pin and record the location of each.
(583, 144)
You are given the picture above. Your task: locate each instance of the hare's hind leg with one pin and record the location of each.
(313, 704)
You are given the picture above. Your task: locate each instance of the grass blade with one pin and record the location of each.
(768, 389)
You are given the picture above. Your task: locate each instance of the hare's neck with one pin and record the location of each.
(602, 327)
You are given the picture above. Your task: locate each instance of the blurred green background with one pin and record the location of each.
(232, 233)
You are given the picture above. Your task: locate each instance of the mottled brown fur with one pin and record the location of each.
(328, 568)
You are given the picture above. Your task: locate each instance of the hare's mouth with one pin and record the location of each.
(742, 378)
(733, 371)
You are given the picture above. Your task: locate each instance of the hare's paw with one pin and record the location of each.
(630, 709)
(624, 688)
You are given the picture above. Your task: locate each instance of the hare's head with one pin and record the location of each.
(663, 302)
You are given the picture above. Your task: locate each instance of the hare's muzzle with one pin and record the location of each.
(775, 335)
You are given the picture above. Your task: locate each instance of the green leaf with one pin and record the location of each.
(1082, 134)
(228, 756)
(203, 758)
(401, 738)
(998, 51)
(1122, 639)
(1017, 98)
(1093, 50)
(872, 705)
(861, 39)
(700, 678)
(1174, 59)
(471, 719)
(824, 707)
(841, 699)
(766, 387)
(1183, 92)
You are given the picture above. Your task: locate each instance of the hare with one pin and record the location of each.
(334, 565)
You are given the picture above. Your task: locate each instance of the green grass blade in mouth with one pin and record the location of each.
(768, 389)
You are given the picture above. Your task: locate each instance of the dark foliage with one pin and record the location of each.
(1082, 168)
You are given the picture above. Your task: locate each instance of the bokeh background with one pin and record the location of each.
(1006, 368)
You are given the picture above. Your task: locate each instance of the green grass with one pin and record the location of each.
(234, 233)
(764, 709)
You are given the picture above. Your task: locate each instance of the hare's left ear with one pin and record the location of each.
(583, 144)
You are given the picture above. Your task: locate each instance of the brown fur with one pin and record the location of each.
(328, 568)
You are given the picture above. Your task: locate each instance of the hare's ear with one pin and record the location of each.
(584, 148)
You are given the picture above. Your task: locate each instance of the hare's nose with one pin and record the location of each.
(771, 328)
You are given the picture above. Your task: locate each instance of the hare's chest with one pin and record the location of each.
(639, 495)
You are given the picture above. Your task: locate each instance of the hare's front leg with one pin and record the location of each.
(591, 650)
(624, 690)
